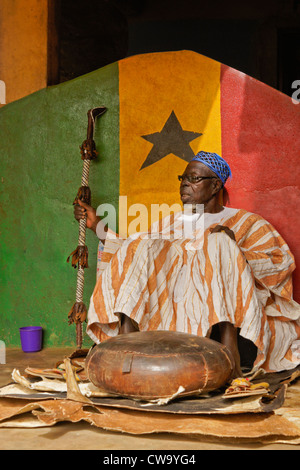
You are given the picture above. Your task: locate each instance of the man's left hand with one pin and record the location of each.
(222, 228)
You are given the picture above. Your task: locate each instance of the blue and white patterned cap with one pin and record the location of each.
(216, 163)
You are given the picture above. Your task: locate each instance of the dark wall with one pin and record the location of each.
(259, 38)
(91, 34)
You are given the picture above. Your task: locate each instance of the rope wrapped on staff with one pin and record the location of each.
(79, 257)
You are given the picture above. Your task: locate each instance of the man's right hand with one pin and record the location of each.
(83, 210)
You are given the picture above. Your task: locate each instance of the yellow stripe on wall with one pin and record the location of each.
(151, 88)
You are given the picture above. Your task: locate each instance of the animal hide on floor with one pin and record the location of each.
(36, 400)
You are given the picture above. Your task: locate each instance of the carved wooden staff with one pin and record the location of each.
(78, 312)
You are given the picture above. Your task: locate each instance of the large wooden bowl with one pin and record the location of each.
(154, 364)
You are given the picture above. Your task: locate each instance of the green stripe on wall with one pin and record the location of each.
(40, 174)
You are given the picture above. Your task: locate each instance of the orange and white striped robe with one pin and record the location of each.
(190, 284)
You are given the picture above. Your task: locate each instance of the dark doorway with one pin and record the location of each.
(261, 39)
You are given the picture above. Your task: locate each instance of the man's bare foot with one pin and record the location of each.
(127, 325)
(228, 335)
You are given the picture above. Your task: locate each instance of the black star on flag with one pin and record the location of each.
(171, 139)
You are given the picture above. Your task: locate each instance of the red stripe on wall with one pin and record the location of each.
(261, 142)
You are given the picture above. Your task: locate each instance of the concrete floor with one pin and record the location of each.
(69, 436)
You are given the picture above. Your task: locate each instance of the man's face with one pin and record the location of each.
(201, 192)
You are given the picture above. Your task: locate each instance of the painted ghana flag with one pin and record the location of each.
(161, 109)
(173, 104)
(169, 109)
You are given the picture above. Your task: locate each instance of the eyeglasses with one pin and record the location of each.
(194, 179)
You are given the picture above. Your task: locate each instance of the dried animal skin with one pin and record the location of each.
(79, 257)
(78, 313)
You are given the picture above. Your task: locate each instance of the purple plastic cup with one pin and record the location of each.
(31, 338)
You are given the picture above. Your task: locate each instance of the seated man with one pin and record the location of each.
(235, 271)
